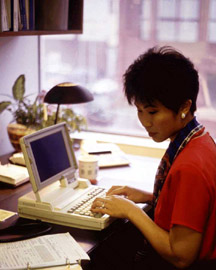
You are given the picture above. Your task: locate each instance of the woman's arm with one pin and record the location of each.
(180, 246)
(133, 194)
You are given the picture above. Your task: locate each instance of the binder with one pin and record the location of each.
(67, 266)
(54, 251)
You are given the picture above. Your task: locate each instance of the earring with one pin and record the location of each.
(183, 115)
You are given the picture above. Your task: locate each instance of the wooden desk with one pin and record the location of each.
(139, 174)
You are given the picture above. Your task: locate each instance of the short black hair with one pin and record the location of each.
(162, 74)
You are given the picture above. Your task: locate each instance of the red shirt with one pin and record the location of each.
(188, 197)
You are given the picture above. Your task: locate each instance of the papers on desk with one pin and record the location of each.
(109, 154)
(44, 251)
(17, 158)
(13, 174)
(4, 215)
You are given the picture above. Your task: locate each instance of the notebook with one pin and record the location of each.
(58, 195)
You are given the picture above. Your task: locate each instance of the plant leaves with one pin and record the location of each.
(19, 88)
(4, 105)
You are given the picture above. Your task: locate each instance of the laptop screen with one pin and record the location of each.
(49, 155)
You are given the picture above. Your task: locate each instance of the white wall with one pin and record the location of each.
(18, 55)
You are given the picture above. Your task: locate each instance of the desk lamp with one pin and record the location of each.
(67, 93)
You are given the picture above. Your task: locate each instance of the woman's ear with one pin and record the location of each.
(185, 108)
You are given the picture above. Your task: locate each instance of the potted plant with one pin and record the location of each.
(29, 116)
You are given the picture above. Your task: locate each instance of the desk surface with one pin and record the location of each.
(139, 174)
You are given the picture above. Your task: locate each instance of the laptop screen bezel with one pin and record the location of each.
(36, 182)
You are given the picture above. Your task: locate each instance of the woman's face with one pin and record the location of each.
(160, 122)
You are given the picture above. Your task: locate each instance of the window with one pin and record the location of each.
(212, 22)
(178, 20)
(115, 33)
(145, 19)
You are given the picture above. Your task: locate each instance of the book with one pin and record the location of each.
(14, 15)
(20, 26)
(23, 16)
(8, 10)
(4, 17)
(47, 251)
(27, 13)
(13, 174)
(31, 14)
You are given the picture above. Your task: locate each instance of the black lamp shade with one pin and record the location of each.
(68, 93)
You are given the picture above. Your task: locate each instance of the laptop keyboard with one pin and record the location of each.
(83, 206)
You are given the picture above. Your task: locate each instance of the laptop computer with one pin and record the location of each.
(58, 195)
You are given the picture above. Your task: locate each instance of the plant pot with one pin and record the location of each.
(17, 131)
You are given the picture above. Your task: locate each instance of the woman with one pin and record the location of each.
(163, 85)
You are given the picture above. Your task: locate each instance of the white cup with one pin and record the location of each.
(88, 167)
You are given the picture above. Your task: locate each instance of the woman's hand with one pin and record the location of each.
(114, 205)
(133, 194)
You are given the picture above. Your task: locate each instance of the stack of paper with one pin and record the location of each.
(13, 174)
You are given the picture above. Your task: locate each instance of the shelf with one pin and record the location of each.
(38, 33)
(75, 21)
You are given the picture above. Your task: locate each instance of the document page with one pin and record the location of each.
(4, 214)
(43, 251)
